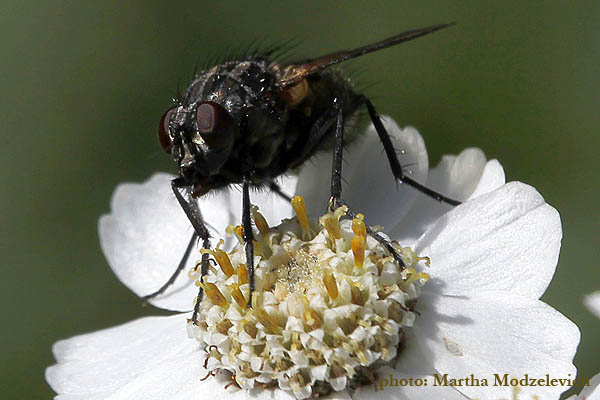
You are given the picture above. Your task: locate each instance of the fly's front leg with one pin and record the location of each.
(183, 194)
(336, 200)
(177, 271)
(248, 237)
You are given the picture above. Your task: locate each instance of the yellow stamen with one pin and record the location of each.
(410, 257)
(358, 226)
(237, 231)
(214, 294)
(296, 344)
(332, 225)
(222, 258)
(260, 222)
(410, 275)
(356, 295)
(313, 321)
(237, 295)
(359, 241)
(300, 209)
(242, 273)
(267, 321)
(250, 329)
(358, 249)
(330, 285)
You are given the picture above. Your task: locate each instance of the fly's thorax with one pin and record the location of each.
(239, 86)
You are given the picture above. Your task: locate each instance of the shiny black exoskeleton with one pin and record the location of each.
(236, 120)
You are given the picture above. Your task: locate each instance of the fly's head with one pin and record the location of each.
(199, 136)
(223, 111)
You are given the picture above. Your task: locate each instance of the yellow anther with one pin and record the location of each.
(267, 321)
(223, 326)
(296, 344)
(358, 226)
(300, 209)
(409, 275)
(242, 273)
(214, 294)
(260, 222)
(250, 329)
(358, 244)
(356, 295)
(330, 285)
(332, 225)
(237, 295)
(359, 241)
(410, 257)
(313, 321)
(237, 231)
(423, 276)
(361, 356)
(222, 258)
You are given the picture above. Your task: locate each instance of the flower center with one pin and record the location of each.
(330, 305)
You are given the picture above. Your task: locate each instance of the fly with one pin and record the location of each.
(251, 120)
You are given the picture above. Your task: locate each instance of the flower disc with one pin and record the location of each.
(329, 306)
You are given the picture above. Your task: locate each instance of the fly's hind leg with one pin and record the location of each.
(183, 194)
(390, 152)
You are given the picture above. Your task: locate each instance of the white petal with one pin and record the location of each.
(147, 359)
(592, 301)
(591, 392)
(491, 179)
(411, 359)
(369, 186)
(461, 178)
(458, 176)
(496, 333)
(147, 232)
(145, 236)
(389, 388)
(100, 363)
(343, 395)
(508, 239)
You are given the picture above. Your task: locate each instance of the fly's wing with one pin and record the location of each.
(296, 71)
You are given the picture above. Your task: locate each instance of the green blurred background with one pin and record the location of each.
(83, 85)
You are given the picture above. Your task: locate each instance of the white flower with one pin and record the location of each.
(592, 301)
(491, 259)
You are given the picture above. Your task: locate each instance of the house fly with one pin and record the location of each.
(251, 120)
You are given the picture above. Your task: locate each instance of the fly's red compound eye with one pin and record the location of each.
(212, 121)
(163, 130)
